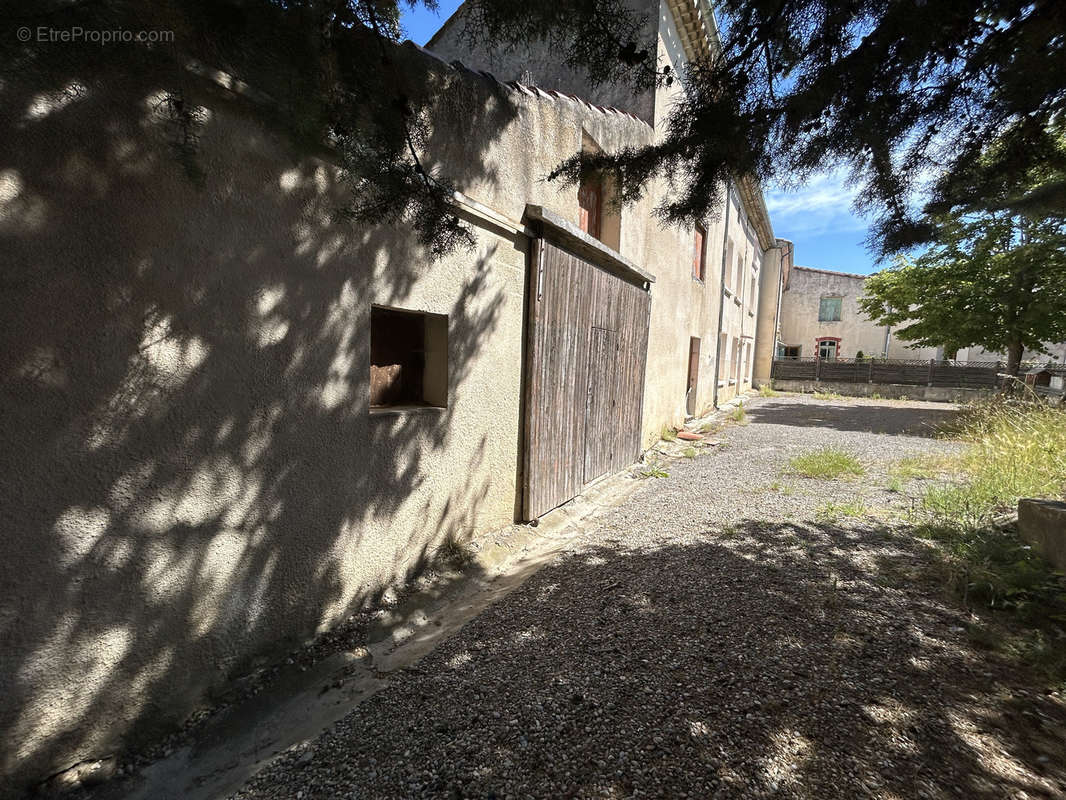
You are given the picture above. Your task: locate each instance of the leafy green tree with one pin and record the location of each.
(992, 279)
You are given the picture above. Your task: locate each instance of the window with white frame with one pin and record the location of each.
(827, 350)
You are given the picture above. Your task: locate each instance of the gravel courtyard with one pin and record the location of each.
(723, 633)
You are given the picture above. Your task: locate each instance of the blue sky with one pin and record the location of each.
(817, 218)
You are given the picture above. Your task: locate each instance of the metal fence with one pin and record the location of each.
(954, 374)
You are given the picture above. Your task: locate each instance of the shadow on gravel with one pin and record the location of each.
(887, 418)
(771, 659)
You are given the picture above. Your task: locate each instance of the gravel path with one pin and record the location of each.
(715, 636)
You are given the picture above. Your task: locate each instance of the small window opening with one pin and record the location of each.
(408, 358)
(599, 209)
(699, 257)
(590, 203)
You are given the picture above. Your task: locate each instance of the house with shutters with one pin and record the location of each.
(820, 317)
(233, 416)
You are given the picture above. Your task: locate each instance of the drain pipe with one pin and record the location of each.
(721, 291)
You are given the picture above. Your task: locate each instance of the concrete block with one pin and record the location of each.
(1042, 523)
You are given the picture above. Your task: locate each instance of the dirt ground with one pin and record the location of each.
(731, 630)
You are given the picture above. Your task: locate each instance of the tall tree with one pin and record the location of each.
(992, 279)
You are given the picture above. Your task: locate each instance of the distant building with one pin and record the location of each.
(820, 316)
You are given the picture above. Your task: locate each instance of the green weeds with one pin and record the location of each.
(833, 510)
(827, 463)
(738, 414)
(1015, 449)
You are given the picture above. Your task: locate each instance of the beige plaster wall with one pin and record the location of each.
(1054, 352)
(776, 265)
(681, 307)
(539, 65)
(799, 314)
(193, 478)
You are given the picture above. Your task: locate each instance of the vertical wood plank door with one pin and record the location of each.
(584, 385)
(601, 403)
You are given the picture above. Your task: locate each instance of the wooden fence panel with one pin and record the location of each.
(791, 369)
(914, 372)
(900, 372)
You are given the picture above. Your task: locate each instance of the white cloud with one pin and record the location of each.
(823, 205)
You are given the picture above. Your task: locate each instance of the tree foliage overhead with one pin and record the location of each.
(994, 276)
(897, 91)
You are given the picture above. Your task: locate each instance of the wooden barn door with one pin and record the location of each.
(601, 403)
(584, 386)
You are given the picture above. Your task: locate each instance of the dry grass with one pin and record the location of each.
(1016, 449)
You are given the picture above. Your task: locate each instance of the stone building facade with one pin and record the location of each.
(820, 316)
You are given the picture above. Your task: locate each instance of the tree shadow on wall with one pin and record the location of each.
(784, 659)
(192, 474)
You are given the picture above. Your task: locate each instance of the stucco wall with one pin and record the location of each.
(540, 65)
(776, 266)
(681, 307)
(193, 478)
(1056, 351)
(799, 317)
